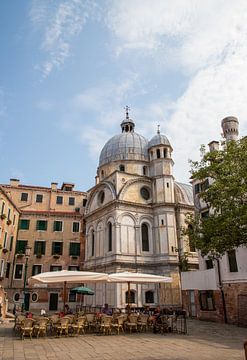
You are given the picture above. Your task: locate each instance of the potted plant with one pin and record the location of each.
(20, 254)
(5, 250)
(56, 256)
(9, 222)
(74, 257)
(3, 216)
(38, 256)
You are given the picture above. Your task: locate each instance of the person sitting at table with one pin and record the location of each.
(106, 310)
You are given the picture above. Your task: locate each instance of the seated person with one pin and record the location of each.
(106, 310)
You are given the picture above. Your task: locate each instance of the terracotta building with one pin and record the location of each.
(50, 238)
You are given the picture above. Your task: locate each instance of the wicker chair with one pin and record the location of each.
(118, 323)
(106, 324)
(62, 327)
(79, 325)
(91, 321)
(131, 322)
(40, 327)
(26, 328)
(18, 321)
(142, 322)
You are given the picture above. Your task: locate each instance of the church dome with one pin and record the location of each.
(158, 139)
(126, 146)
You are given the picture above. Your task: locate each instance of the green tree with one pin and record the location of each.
(225, 194)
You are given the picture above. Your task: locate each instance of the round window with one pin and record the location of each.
(34, 297)
(17, 297)
(145, 193)
(101, 197)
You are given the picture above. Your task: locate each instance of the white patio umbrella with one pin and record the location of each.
(66, 276)
(137, 278)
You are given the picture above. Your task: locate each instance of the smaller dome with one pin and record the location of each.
(158, 139)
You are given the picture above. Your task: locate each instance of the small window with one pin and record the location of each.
(39, 198)
(209, 264)
(57, 248)
(145, 193)
(101, 197)
(109, 236)
(76, 227)
(131, 297)
(58, 226)
(165, 153)
(41, 225)
(162, 222)
(2, 268)
(145, 170)
(167, 185)
(39, 247)
(18, 271)
(5, 240)
(71, 201)
(149, 297)
(36, 269)
(158, 153)
(2, 210)
(74, 249)
(16, 297)
(233, 266)
(72, 296)
(84, 203)
(197, 188)
(24, 224)
(73, 268)
(14, 220)
(8, 265)
(21, 246)
(9, 212)
(11, 242)
(59, 200)
(55, 267)
(34, 297)
(206, 300)
(121, 168)
(92, 248)
(145, 239)
(24, 196)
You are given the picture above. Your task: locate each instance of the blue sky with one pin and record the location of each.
(68, 68)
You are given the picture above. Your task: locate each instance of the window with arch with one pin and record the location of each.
(145, 170)
(149, 297)
(165, 153)
(102, 173)
(145, 238)
(92, 243)
(109, 228)
(131, 297)
(158, 153)
(121, 167)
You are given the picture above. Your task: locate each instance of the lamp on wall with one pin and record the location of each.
(27, 256)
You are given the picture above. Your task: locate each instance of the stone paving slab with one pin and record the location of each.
(204, 341)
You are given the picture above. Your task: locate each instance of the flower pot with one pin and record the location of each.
(9, 222)
(3, 216)
(5, 251)
(56, 256)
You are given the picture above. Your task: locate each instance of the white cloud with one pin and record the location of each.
(59, 23)
(206, 40)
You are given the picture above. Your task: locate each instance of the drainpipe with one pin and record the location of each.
(222, 291)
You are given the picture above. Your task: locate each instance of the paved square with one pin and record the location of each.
(204, 341)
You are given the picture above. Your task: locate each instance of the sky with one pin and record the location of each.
(69, 67)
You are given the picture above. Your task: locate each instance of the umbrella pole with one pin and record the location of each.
(64, 295)
(128, 297)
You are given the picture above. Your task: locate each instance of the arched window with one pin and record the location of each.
(149, 297)
(144, 170)
(121, 168)
(158, 153)
(132, 297)
(145, 240)
(165, 153)
(92, 243)
(109, 236)
(102, 173)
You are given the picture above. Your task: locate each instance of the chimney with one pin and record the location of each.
(54, 186)
(214, 146)
(14, 182)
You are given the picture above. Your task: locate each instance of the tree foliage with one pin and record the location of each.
(226, 197)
